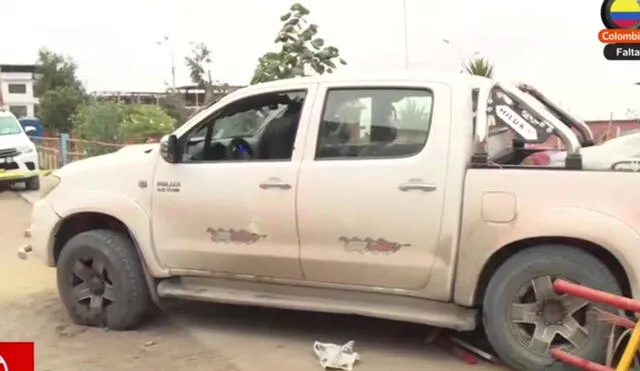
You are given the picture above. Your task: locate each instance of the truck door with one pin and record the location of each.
(372, 183)
(229, 206)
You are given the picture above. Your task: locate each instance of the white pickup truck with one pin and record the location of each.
(394, 196)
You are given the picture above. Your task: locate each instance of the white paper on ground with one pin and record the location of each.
(338, 357)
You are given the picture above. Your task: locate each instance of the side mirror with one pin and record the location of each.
(170, 149)
(29, 129)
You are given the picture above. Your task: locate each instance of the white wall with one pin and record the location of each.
(16, 99)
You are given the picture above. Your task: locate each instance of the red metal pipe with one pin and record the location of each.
(449, 346)
(614, 319)
(576, 361)
(597, 296)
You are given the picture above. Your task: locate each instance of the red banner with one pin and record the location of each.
(17, 356)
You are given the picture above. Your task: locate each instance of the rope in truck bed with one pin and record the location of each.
(631, 329)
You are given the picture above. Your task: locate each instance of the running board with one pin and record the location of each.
(392, 307)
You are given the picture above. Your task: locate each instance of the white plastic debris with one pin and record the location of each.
(337, 357)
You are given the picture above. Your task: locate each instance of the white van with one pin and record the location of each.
(18, 155)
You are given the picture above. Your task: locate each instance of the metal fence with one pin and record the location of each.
(54, 152)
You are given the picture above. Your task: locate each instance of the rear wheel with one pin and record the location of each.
(101, 281)
(524, 317)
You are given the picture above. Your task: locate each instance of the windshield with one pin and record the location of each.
(248, 123)
(9, 126)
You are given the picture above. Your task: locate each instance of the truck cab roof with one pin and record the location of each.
(446, 77)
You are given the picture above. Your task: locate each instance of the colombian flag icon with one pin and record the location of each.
(625, 13)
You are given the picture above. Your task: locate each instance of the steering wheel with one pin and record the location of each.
(240, 149)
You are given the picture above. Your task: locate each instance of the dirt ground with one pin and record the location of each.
(197, 336)
(30, 310)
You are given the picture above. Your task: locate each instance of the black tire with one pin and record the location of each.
(111, 257)
(33, 183)
(515, 277)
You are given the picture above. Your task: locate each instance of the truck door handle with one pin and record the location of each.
(272, 184)
(425, 187)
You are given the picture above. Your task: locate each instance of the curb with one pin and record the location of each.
(24, 197)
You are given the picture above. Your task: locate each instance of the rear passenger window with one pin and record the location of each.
(373, 123)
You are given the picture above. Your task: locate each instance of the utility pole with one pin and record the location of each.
(167, 42)
(463, 59)
(457, 48)
(406, 35)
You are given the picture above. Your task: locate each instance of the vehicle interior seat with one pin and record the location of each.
(277, 140)
(383, 133)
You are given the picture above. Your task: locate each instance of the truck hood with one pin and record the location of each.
(136, 148)
(14, 140)
(123, 158)
(121, 173)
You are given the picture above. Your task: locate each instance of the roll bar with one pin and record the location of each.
(574, 122)
(536, 113)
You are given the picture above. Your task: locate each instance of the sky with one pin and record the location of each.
(548, 43)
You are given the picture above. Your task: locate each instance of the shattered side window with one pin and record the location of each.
(374, 122)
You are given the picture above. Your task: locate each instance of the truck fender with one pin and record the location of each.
(488, 239)
(126, 210)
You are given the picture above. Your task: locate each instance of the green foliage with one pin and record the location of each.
(55, 71)
(174, 105)
(480, 67)
(112, 122)
(301, 50)
(59, 90)
(57, 106)
(99, 121)
(198, 64)
(145, 121)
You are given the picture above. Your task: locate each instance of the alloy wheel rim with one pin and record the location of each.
(541, 318)
(92, 286)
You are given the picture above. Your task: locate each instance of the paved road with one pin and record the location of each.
(256, 339)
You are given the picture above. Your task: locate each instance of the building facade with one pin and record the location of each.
(16, 89)
(194, 97)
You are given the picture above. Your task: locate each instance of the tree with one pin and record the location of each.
(115, 123)
(301, 50)
(59, 90)
(199, 66)
(174, 105)
(199, 63)
(480, 67)
(55, 71)
(57, 106)
(145, 121)
(98, 121)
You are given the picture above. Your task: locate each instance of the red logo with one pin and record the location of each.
(17, 357)
(231, 235)
(369, 245)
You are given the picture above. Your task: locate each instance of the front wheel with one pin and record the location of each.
(524, 317)
(101, 281)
